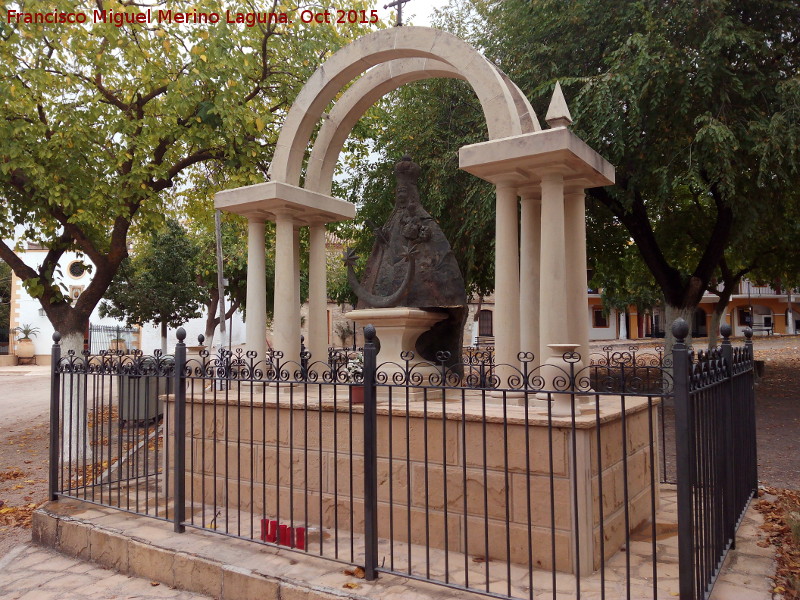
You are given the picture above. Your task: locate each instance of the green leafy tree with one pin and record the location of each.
(158, 284)
(697, 104)
(100, 123)
(5, 298)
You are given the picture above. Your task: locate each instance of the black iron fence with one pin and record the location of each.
(103, 338)
(510, 481)
(716, 453)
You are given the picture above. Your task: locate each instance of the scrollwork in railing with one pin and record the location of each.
(707, 367)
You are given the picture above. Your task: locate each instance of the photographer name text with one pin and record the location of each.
(248, 19)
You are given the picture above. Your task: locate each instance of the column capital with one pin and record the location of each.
(284, 215)
(505, 182)
(571, 190)
(552, 176)
(530, 192)
(256, 219)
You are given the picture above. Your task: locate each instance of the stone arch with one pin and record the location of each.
(365, 92)
(499, 102)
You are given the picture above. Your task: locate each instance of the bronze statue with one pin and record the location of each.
(412, 265)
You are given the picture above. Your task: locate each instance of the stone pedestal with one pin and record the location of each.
(499, 482)
(398, 330)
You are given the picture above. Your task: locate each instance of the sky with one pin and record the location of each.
(418, 10)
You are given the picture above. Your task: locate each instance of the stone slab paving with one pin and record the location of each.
(31, 572)
(143, 549)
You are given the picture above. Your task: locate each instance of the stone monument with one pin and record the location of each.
(412, 267)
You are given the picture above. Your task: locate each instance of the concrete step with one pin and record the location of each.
(204, 562)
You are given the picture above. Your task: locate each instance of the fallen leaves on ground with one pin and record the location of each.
(103, 416)
(12, 474)
(18, 516)
(782, 526)
(357, 572)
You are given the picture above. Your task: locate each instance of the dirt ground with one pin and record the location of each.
(24, 448)
(23, 480)
(778, 411)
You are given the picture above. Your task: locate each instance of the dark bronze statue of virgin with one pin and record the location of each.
(412, 265)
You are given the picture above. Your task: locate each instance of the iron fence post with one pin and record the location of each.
(370, 457)
(304, 355)
(180, 432)
(55, 393)
(751, 410)
(684, 443)
(729, 519)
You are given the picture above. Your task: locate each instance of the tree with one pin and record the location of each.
(158, 284)
(697, 105)
(5, 296)
(101, 122)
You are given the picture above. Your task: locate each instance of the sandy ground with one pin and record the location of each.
(24, 425)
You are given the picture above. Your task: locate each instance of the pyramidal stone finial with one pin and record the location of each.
(558, 111)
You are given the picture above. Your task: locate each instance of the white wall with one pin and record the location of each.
(27, 308)
(602, 333)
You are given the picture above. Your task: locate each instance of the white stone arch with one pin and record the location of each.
(539, 177)
(369, 88)
(498, 101)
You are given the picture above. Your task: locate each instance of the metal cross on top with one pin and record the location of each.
(399, 4)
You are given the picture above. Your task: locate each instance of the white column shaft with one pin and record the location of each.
(577, 285)
(317, 342)
(506, 277)
(287, 309)
(256, 338)
(529, 281)
(553, 295)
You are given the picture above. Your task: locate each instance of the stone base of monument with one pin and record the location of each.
(584, 484)
(398, 329)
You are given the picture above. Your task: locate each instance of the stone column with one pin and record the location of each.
(317, 342)
(553, 296)
(577, 285)
(506, 278)
(256, 326)
(529, 281)
(287, 309)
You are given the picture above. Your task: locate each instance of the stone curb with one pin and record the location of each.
(204, 562)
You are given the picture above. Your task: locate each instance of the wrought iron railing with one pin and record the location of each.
(716, 453)
(105, 338)
(506, 480)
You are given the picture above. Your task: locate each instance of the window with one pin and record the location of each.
(485, 323)
(75, 292)
(76, 269)
(599, 319)
(744, 317)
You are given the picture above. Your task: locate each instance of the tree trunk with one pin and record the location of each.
(73, 400)
(164, 337)
(672, 313)
(212, 320)
(716, 322)
(719, 310)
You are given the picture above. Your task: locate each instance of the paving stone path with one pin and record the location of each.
(31, 572)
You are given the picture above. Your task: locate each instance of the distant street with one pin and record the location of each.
(24, 423)
(24, 396)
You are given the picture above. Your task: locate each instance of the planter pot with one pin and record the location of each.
(25, 348)
(117, 345)
(356, 394)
